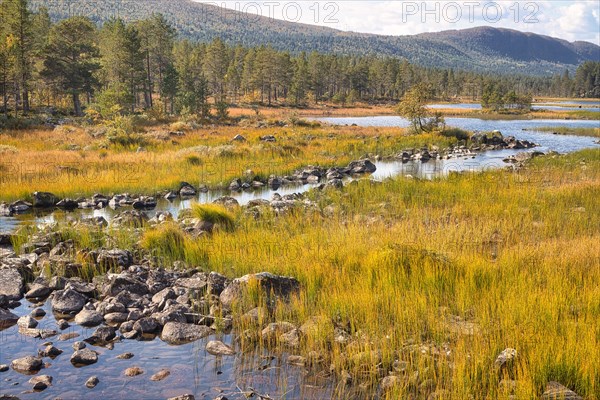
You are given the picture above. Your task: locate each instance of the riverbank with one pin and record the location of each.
(407, 287)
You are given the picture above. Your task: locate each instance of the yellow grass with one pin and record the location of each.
(441, 275)
(38, 160)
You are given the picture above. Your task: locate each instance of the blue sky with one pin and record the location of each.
(570, 20)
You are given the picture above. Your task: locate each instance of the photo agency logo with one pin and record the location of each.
(334, 13)
(455, 12)
(290, 11)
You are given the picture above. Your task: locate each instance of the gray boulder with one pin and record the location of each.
(68, 301)
(11, 284)
(88, 318)
(180, 333)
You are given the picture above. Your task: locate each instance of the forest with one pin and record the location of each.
(123, 67)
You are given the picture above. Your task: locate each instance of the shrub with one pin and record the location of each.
(214, 214)
(457, 133)
(122, 131)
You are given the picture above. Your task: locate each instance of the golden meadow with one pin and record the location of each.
(441, 275)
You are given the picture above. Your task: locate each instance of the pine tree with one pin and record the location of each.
(71, 59)
(16, 19)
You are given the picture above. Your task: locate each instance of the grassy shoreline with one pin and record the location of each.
(37, 160)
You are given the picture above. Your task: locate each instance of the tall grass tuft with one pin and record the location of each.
(214, 214)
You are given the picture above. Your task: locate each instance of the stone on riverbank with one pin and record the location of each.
(7, 319)
(44, 199)
(11, 284)
(68, 301)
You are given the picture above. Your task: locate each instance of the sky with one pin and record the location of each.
(570, 20)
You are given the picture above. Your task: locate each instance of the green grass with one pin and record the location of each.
(214, 214)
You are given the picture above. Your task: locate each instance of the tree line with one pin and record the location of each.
(124, 67)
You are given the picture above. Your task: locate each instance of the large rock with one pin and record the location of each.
(68, 301)
(126, 283)
(279, 286)
(88, 318)
(179, 333)
(7, 319)
(44, 199)
(27, 364)
(11, 284)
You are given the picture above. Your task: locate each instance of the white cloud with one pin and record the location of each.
(571, 20)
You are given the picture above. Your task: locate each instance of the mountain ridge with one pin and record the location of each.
(480, 49)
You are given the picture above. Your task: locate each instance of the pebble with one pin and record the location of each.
(160, 375)
(133, 371)
(92, 382)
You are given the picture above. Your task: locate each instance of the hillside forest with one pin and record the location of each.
(121, 67)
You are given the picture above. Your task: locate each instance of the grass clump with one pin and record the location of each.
(214, 214)
(166, 242)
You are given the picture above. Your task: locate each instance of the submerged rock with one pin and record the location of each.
(133, 371)
(218, 348)
(160, 375)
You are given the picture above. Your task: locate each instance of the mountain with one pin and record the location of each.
(477, 49)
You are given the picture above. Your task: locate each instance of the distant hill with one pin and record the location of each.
(478, 49)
